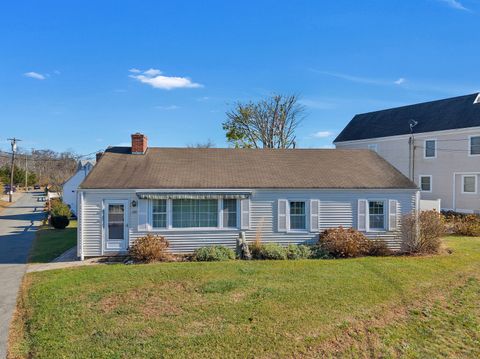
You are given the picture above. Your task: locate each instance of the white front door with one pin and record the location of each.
(116, 231)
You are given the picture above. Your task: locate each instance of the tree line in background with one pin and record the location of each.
(44, 167)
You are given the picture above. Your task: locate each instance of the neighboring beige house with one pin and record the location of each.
(436, 144)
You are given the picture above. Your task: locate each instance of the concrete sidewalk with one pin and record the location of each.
(17, 230)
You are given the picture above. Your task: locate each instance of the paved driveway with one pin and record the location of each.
(17, 226)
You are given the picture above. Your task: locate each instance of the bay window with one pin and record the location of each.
(229, 213)
(159, 213)
(194, 213)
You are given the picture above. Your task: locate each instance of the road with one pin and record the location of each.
(17, 230)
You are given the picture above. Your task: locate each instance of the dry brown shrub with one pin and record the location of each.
(422, 233)
(468, 225)
(344, 242)
(150, 248)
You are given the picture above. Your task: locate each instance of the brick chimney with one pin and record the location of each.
(139, 144)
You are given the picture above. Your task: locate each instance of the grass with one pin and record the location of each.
(49, 243)
(412, 307)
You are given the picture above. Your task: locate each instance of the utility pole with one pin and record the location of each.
(412, 123)
(13, 142)
(26, 173)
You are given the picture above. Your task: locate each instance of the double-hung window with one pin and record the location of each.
(298, 217)
(194, 213)
(469, 184)
(229, 213)
(430, 148)
(159, 213)
(426, 183)
(376, 215)
(474, 145)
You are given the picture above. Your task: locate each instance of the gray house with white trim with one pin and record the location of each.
(199, 197)
(436, 144)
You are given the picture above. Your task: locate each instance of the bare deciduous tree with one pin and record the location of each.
(208, 144)
(269, 123)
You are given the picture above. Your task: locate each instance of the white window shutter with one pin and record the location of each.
(314, 214)
(392, 215)
(362, 215)
(245, 213)
(142, 215)
(282, 215)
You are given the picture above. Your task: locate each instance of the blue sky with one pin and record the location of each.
(83, 75)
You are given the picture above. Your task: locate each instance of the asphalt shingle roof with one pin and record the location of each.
(222, 168)
(447, 114)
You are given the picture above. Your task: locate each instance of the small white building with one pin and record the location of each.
(71, 185)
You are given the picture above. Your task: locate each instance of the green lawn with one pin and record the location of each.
(49, 242)
(369, 307)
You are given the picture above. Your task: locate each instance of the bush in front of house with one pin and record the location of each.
(150, 248)
(268, 251)
(378, 248)
(58, 208)
(422, 233)
(344, 242)
(468, 225)
(59, 222)
(300, 251)
(214, 254)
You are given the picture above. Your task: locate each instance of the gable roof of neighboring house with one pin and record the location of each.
(222, 168)
(84, 163)
(447, 114)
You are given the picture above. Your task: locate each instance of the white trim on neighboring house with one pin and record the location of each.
(420, 135)
(476, 183)
(469, 150)
(454, 186)
(425, 149)
(420, 183)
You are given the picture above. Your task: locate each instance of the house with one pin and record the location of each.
(71, 185)
(199, 197)
(436, 144)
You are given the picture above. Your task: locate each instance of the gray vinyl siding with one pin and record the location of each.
(337, 208)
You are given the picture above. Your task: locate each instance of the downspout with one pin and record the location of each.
(412, 123)
(454, 205)
(80, 226)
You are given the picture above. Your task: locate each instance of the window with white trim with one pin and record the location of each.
(159, 213)
(298, 215)
(469, 184)
(426, 183)
(376, 215)
(475, 145)
(430, 148)
(194, 213)
(230, 213)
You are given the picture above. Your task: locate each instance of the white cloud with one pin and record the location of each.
(153, 72)
(322, 134)
(34, 75)
(154, 78)
(134, 71)
(400, 81)
(455, 4)
(170, 107)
